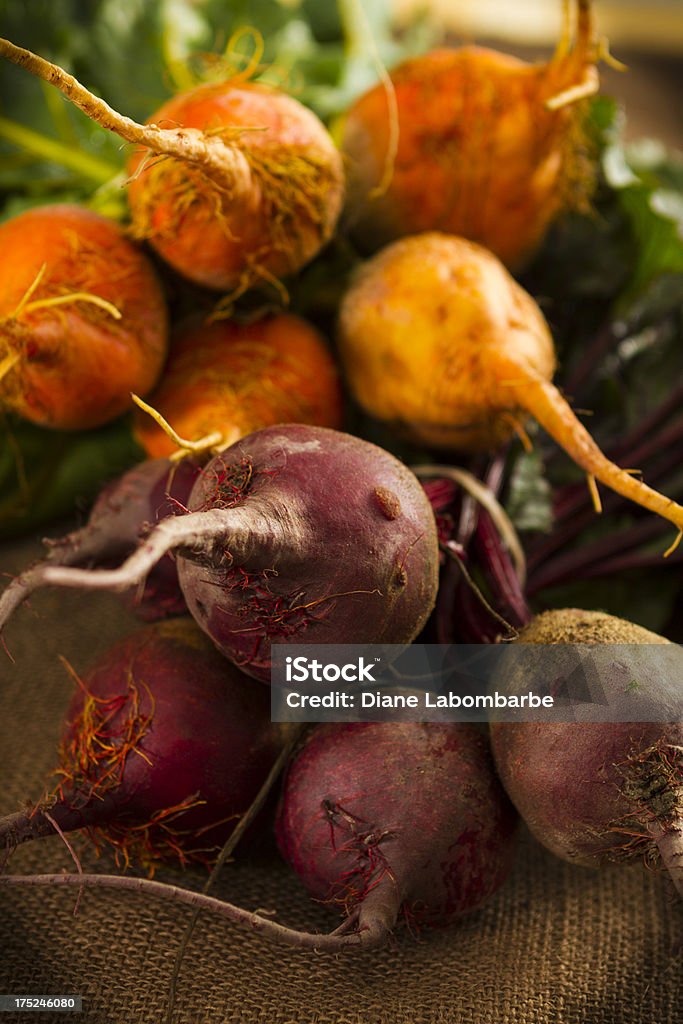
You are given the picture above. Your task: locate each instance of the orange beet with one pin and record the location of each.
(439, 340)
(83, 320)
(233, 182)
(277, 226)
(489, 147)
(237, 378)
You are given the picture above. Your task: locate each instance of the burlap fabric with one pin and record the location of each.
(558, 944)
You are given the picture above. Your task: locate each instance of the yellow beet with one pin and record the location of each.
(440, 341)
(476, 143)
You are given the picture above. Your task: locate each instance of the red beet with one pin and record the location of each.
(386, 819)
(600, 792)
(165, 747)
(297, 534)
(126, 509)
(380, 818)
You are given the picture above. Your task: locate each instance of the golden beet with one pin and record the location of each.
(233, 183)
(232, 379)
(83, 318)
(439, 340)
(480, 144)
(227, 235)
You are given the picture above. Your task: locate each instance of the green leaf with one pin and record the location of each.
(46, 474)
(646, 183)
(529, 502)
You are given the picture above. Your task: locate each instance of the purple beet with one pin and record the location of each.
(125, 510)
(296, 534)
(165, 746)
(600, 792)
(385, 820)
(389, 820)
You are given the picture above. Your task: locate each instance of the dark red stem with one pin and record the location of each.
(579, 513)
(633, 560)
(574, 564)
(33, 824)
(497, 566)
(602, 343)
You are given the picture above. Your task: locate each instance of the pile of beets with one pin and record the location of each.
(256, 520)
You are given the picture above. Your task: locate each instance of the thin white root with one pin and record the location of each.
(374, 934)
(195, 530)
(18, 591)
(84, 546)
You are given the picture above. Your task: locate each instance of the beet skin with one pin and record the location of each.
(597, 792)
(165, 746)
(388, 818)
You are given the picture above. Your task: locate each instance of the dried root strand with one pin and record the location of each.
(653, 784)
(208, 445)
(222, 163)
(159, 839)
(374, 934)
(92, 761)
(542, 399)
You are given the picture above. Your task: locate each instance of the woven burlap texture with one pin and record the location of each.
(558, 944)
